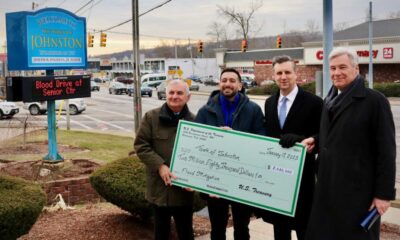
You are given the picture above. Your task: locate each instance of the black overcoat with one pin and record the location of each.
(303, 119)
(356, 163)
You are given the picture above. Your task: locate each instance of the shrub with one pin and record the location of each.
(388, 89)
(309, 87)
(268, 89)
(21, 203)
(123, 183)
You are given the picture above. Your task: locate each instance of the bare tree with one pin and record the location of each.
(312, 26)
(218, 33)
(340, 26)
(392, 15)
(243, 20)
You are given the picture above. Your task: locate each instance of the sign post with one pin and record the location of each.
(47, 39)
(52, 130)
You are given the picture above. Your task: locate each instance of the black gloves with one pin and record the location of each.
(288, 140)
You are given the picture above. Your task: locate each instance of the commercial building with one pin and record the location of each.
(309, 57)
(184, 67)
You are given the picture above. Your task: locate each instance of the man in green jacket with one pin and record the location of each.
(154, 144)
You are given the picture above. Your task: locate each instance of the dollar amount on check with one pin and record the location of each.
(242, 167)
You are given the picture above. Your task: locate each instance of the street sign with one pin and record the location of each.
(50, 38)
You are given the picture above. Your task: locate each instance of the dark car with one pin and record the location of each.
(195, 78)
(145, 90)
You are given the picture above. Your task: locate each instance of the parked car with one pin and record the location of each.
(76, 106)
(153, 79)
(194, 87)
(248, 80)
(211, 82)
(195, 78)
(117, 88)
(161, 91)
(144, 90)
(94, 86)
(7, 109)
(97, 80)
(120, 85)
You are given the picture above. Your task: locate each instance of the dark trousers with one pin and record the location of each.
(218, 211)
(183, 217)
(284, 232)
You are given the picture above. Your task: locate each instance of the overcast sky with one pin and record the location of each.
(180, 20)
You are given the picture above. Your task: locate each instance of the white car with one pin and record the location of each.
(76, 106)
(7, 109)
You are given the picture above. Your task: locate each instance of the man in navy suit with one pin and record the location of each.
(292, 115)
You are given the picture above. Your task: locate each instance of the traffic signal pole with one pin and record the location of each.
(328, 45)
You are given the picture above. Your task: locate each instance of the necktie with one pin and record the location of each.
(282, 112)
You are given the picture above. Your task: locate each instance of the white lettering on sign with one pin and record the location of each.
(388, 53)
(56, 60)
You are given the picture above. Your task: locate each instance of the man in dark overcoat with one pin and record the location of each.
(301, 115)
(154, 144)
(357, 152)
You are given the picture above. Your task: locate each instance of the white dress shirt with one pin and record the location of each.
(290, 99)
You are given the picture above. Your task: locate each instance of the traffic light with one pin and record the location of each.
(278, 42)
(200, 46)
(244, 45)
(103, 39)
(90, 40)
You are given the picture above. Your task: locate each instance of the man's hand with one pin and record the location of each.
(166, 174)
(226, 128)
(288, 140)
(309, 143)
(381, 205)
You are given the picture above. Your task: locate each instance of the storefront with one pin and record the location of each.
(309, 58)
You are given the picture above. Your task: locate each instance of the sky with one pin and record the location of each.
(181, 21)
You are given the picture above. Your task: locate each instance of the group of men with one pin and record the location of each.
(352, 131)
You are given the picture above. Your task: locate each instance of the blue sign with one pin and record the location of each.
(51, 38)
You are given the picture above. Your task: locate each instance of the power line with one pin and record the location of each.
(122, 23)
(92, 6)
(61, 3)
(142, 35)
(83, 6)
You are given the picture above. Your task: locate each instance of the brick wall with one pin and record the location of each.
(382, 72)
(265, 72)
(73, 190)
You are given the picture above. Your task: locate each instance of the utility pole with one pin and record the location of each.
(370, 66)
(328, 45)
(191, 55)
(137, 100)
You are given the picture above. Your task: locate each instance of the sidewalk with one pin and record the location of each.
(259, 230)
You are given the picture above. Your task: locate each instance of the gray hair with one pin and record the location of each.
(350, 52)
(283, 59)
(175, 82)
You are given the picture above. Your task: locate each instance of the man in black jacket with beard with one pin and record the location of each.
(228, 107)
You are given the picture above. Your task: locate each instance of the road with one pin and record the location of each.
(114, 113)
(107, 112)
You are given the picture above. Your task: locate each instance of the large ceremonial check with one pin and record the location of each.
(246, 168)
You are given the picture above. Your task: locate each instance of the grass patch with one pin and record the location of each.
(102, 147)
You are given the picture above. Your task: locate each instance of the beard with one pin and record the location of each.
(229, 92)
